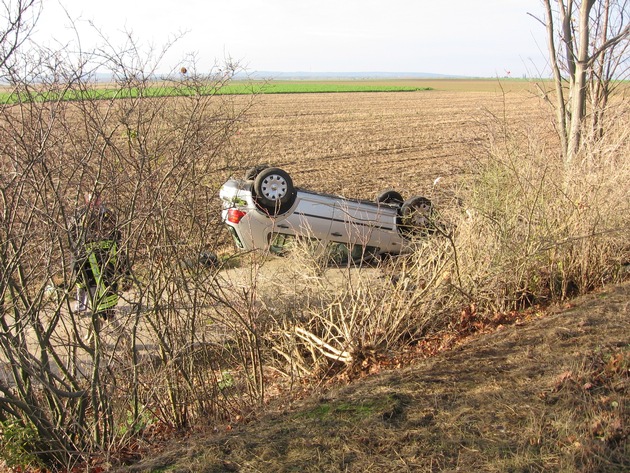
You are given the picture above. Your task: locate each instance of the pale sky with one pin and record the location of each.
(480, 38)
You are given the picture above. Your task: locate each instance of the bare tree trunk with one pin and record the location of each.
(561, 111)
(578, 98)
(587, 51)
(599, 86)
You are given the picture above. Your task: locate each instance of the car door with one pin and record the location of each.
(364, 223)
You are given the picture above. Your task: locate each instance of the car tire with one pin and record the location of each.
(274, 190)
(390, 196)
(417, 217)
(252, 172)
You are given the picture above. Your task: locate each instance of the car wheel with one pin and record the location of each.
(252, 172)
(274, 190)
(390, 197)
(417, 217)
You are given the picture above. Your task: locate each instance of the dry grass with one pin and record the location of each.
(533, 234)
(550, 394)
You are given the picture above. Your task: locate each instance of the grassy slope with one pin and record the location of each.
(550, 394)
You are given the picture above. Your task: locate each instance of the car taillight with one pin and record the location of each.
(235, 215)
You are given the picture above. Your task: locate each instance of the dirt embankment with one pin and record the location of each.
(548, 395)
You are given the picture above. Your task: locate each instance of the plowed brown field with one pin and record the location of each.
(357, 144)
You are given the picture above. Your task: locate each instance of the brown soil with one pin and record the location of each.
(359, 144)
(546, 394)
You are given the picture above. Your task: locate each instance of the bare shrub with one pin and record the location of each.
(154, 152)
(322, 320)
(528, 234)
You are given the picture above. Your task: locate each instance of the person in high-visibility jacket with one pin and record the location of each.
(99, 265)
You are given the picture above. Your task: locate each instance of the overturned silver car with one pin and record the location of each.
(264, 210)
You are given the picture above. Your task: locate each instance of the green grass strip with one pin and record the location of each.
(230, 89)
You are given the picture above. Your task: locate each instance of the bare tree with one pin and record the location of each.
(72, 386)
(17, 20)
(588, 50)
